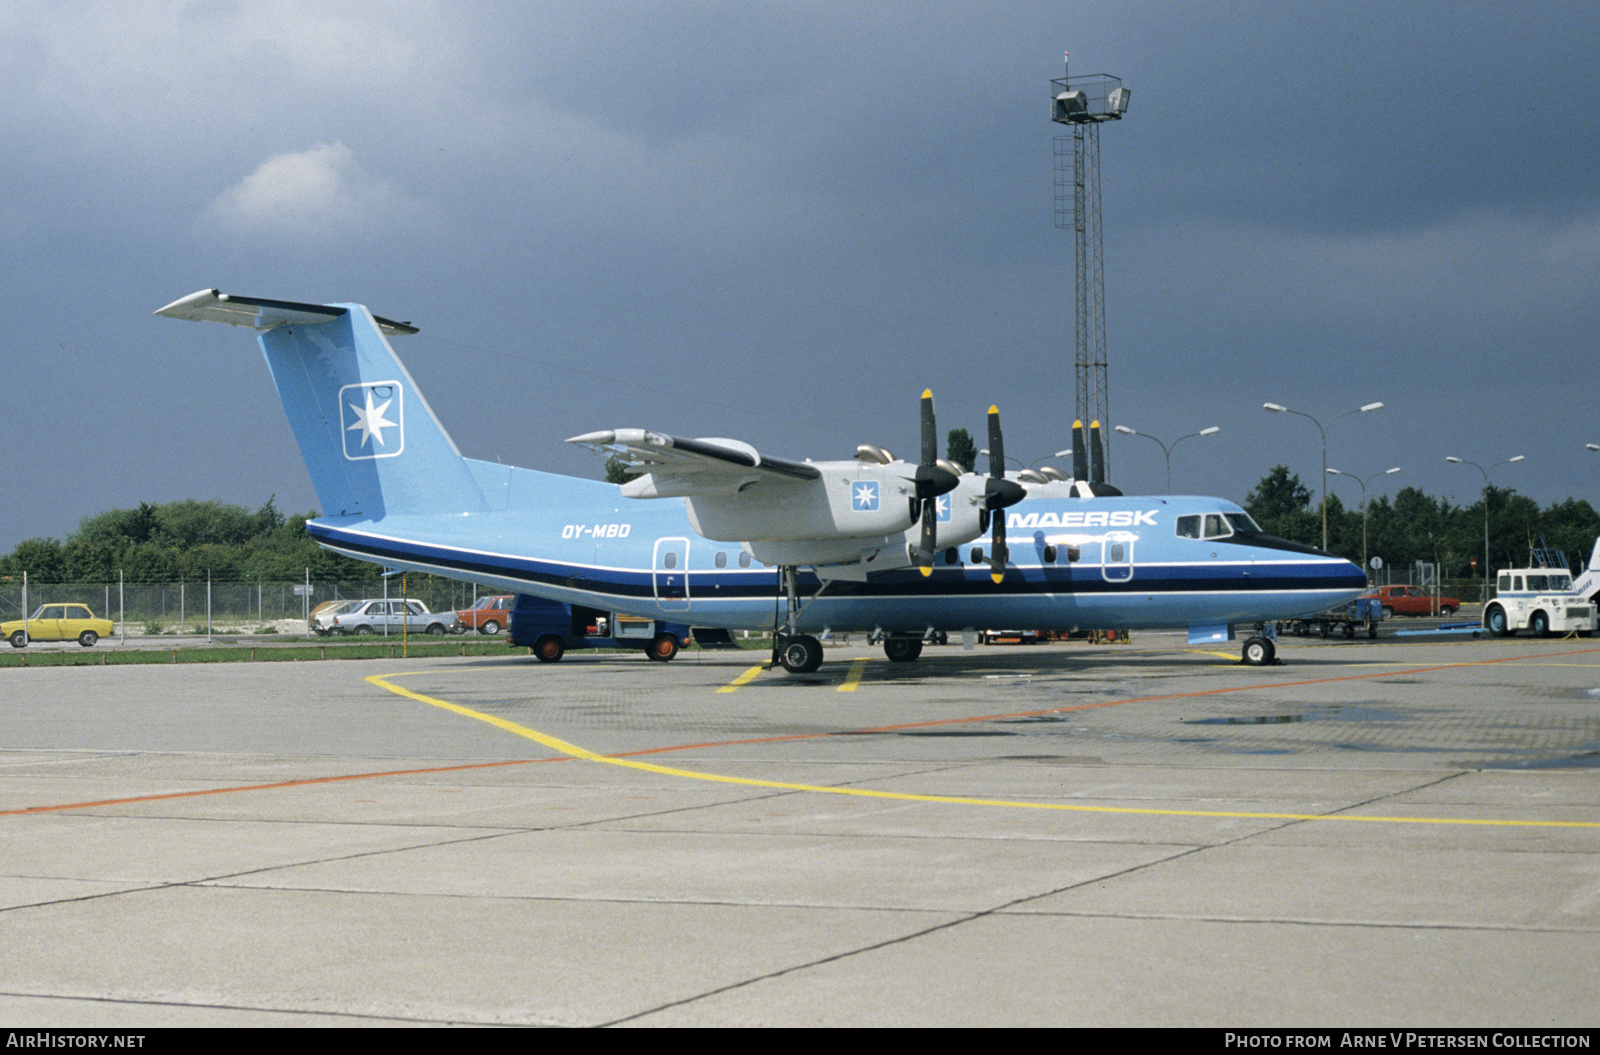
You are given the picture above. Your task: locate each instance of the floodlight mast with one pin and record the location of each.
(1086, 103)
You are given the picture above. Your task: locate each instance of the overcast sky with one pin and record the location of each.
(780, 222)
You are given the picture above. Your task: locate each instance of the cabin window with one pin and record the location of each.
(1516, 581)
(1049, 554)
(1117, 553)
(1216, 527)
(1189, 527)
(744, 560)
(721, 559)
(669, 559)
(1504, 583)
(951, 556)
(976, 555)
(1074, 554)
(1538, 583)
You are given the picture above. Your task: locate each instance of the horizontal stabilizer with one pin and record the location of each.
(209, 305)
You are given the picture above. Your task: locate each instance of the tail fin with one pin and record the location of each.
(369, 439)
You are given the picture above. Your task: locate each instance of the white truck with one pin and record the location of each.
(1542, 600)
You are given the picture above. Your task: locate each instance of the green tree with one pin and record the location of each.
(960, 449)
(617, 471)
(1281, 504)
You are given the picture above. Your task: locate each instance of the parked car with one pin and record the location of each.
(384, 617)
(489, 616)
(1411, 600)
(57, 622)
(321, 621)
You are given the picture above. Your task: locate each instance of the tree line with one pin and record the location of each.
(1414, 526)
(185, 541)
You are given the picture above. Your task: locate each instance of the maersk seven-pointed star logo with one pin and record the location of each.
(371, 411)
(864, 496)
(941, 506)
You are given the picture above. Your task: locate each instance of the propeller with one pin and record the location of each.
(998, 493)
(932, 480)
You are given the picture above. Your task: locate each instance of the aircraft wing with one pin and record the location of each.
(675, 467)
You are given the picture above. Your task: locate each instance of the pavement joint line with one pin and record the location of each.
(583, 754)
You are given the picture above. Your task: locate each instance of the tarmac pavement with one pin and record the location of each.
(1370, 834)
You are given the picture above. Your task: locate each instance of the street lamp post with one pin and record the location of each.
(1364, 483)
(1280, 409)
(1461, 461)
(1165, 448)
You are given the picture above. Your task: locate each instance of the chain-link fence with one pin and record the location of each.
(196, 607)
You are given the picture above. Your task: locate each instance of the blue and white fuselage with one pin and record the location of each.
(397, 492)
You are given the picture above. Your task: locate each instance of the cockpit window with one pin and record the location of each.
(1215, 525)
(1242, 522)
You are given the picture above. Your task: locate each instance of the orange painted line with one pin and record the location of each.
(271, 787)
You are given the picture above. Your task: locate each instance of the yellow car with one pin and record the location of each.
(57, 622)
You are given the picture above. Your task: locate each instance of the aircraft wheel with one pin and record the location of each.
(800, 655)
(549, 648)
(491, 628)
(19, 639)
(902, 649)
(1258, 651)
(663, 647)
(88, 638)
(1539, 624)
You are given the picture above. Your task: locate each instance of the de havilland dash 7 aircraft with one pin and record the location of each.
(714, 533)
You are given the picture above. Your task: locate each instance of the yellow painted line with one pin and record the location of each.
(574, 751)
(746, 678)
(1208, 652)
(851, 680)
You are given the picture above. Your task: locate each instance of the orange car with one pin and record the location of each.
(489, 616)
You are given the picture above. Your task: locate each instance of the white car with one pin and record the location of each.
(384, 617)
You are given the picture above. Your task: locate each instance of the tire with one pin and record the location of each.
(801, 654)
(1388, 613)
(1495, 620)
(436, 629)
(362, 630)
(491, 628)
(19, 639)
(549, 648)
(1349, 631)
(902, 649)
(663, 648)
(88, 638)
(1539, 625)
(1258, 651)
(1446, 611)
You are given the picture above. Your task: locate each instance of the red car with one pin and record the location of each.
(1412, 600)
(489, 616)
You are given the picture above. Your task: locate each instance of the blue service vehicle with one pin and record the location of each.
(550, 628)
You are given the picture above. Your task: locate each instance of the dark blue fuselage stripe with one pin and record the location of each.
(710, 584)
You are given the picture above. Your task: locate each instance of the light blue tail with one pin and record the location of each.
(370, 441)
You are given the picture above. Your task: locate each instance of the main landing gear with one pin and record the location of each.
(796, 653)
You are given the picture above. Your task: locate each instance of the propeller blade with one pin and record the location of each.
(997, 446)
(930, 432)
(998, 493)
